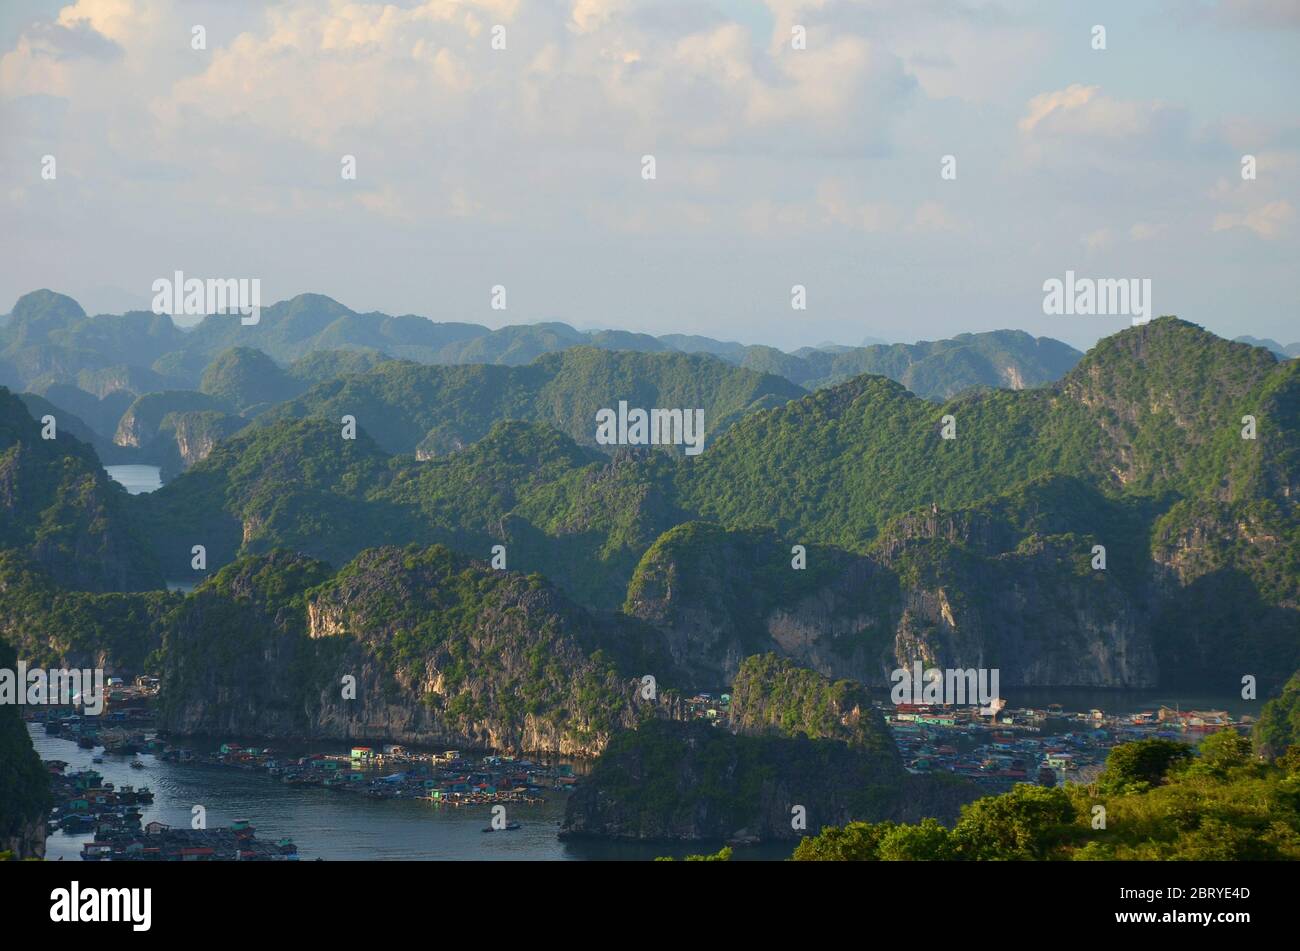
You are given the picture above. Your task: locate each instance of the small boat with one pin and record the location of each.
(94, 851)
(510, 827)
(74, 824)
(136, 764)
(97, 758)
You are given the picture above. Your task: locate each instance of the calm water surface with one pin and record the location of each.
(136, 479)
(338, 825)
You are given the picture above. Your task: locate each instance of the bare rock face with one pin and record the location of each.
(143, 421)
(942, 590)
(196, 433)
(26, 842)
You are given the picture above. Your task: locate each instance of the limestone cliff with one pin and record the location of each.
(440, 651)
(943, 591)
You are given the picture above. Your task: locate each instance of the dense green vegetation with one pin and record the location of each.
(931, 369)
(1160, 803)
(330, 556)
(772, 468)
(1278, 727)
(772, 695)
(722, 855)
(469, 654)
(441, 409)
(576, 514)
(92, 368)
(59, 509)
(1033, 481)
(55, 627)
(242, 377)
(671, 780)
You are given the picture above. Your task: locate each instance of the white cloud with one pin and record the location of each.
(482, 161)
(1270, 221)
(115, 19)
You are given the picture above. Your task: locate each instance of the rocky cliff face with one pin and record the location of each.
(27, 841)
(940, 590)
(24, 783)
(1224, 594)
(194, 434)
(142, 422)
(413, 645)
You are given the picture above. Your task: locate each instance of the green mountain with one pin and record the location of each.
(52, 626)
(689, 781)
(434, 410)
(122, 375)
(979, 552)
(49, 341)
(1149, 425)
(772, 695)
(804, 748)
(59, 509)
(440, 649)
(1007, 359)
(1153, 409)
(242, 377)
(580, 516)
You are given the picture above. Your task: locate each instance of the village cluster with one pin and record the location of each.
(1049, 746)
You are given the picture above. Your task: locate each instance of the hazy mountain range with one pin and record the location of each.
(141, 389)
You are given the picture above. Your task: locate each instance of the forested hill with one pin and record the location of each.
(840, 529)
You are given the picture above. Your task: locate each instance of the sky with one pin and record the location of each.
(773, 166)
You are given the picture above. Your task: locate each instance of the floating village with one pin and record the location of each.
(86, 802)
(1049, 746)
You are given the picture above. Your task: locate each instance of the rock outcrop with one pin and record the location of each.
(691, 781)
(943, 592)
(413, 645)
(24, 783)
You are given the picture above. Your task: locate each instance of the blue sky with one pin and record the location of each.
(774, 166)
